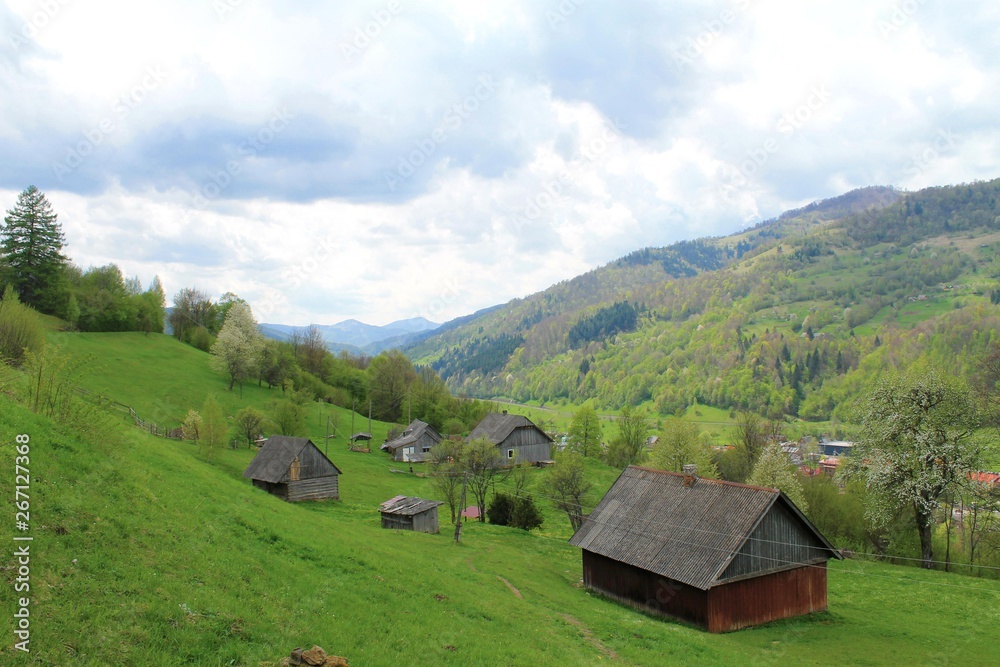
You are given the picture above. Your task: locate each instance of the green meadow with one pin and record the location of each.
(147, 553)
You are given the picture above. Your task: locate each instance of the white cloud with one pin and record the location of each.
(400, 185)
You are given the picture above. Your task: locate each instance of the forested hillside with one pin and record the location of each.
(787, 318)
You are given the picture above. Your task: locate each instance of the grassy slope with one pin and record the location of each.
(179, 560)
(162, 379)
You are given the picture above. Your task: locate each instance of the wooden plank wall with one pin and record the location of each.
(314, 489)
(645, 590)
(749, 602)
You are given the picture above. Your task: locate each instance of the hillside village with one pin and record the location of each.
(791, 430)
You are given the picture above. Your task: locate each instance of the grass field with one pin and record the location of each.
(145, 553)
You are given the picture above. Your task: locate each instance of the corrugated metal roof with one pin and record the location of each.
(407, 506)
(651, 520)
(277, 454)
(496, 426)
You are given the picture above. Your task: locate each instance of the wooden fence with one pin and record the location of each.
(154, 429)
(147, 426)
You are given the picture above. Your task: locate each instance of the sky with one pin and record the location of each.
(393, 159)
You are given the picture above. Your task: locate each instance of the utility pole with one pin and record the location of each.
(326, 449)
(458, 524)
(353, 412)
(369, 417)
(409, 405)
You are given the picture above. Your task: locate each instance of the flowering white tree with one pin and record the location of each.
(917, 445)
(238, 348)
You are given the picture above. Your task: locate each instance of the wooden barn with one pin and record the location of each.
(414, 443)
(406, 513)
(514, 436)
(294, 469)
(720, 555)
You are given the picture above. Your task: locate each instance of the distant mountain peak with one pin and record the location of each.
(357, 334)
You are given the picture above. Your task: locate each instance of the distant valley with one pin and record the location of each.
(358, 337)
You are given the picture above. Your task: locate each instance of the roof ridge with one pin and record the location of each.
(710, 479)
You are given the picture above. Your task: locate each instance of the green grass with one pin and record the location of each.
(145, 553)
(162, 378)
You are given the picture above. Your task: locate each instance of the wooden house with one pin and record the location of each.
(719, 555)
(406, 513)
(515, 437)
(414, 443)
(294, 469)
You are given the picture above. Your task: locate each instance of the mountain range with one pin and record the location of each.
(790, 317)
(356, 336)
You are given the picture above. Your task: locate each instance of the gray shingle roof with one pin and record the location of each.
(410, 435)
(407, 506)
(496, 426)
(272, 461)
(651, 520)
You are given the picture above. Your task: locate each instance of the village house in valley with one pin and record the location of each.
(515, 437)
(720, 555)
(414, 443)
(294, 469)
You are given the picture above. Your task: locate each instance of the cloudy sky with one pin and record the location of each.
(391, 159)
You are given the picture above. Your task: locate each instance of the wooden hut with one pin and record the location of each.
(720, 555)
(294, 469)
(515, 437)
(414, 443)
(406, 513)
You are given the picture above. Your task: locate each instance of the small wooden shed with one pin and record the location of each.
(720, 555)
(407, 513)
(516, 437)
(294, 469)
(414, 443)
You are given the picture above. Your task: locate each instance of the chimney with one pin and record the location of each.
(690, 475)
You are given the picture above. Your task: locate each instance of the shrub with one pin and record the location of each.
(515, 511)
(500, 510)
(21, 329)
(525, 515)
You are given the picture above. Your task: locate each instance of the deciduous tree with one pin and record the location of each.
(775, 471)
(681, 443)
(213, 431)
(585, 432)
(288, 417)
(748, 439)
(390, 376)
(628, 445)
(917, 444)
(447, 473)
(238, 348)
(193, 311)
(567, 485)
(191, 426)
(249, 422)
(483, 464)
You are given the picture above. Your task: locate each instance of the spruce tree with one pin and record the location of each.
(31, 242)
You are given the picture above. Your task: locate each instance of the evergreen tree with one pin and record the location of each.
(31, 242)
